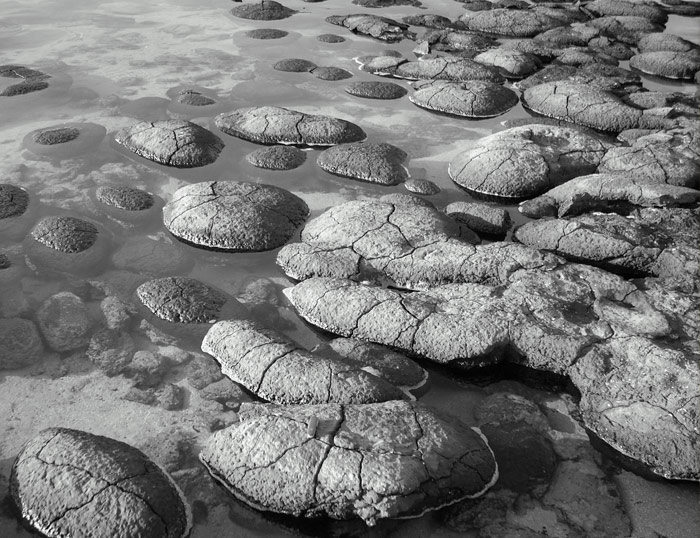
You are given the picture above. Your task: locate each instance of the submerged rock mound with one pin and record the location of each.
(381, 28)
(375, 163)
(472, 99)
(65, 482)
(177, 143)
(234, 215)
(32, 80)
(276, 369)
(277, 125)
(370, 461)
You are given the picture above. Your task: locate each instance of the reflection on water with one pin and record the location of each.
(115, 63)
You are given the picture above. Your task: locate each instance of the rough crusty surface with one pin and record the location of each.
(626, 28)
(266, 33)
(194, 98)
(516, 64)
(482, 218)
(521, 162)
(276, 125)
(652, 158)
(34, 80)
(177, 143)
(376, 90)
(601, 76)
(372, 461)
(510, 22)
(126, 198)
(449, 68)
(65, 234)
(14, 201)
(234, 215)
(566, 36)
(668, 64)
(603, 8)
(603, 191)
(265, 10)
(331, 73)
(184, 300)
(581, 104)
(410, 246)
(379, 163)
(665, 41)
(473, 99)
(294, 65)
(423, 187)
(73, 483)
(381, 28)
(276, 369)
(20, 343)
(51, 136)
(277, 158)
(64, 322)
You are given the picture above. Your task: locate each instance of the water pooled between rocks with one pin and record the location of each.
(100, 133)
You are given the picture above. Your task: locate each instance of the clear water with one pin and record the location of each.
(117, 62)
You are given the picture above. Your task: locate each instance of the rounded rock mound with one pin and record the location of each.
(376, 90)
(369, 461)
(510, 22)
(126, 198)
(265, 10)
(266, 33)
(375, 163)
(65, 482)
(69, 235)
(668, 64)
(294, 65)
(234, 215)
(14, 201)
(277, 158)
(472, 99)
(276, 125)
(177, 143)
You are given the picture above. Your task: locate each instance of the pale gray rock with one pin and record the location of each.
(664, 41)
(668, 64)
(378, 163)
(510, 22)
(482, 218)
(424, 187)
(606, 8)
(277, 158)
(471, 99)
(515, 64)
(376, 90)
(381, 28)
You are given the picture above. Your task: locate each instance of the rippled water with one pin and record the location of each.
(115, 63)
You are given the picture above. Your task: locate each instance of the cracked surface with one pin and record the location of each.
(376, 90)
(668, 64)
(511, 23)
(65, 234)
(372, 461)
(265, 10)
(126, 198)
(602, 191)
(381, 28)
(408, 245)
(665, 41)
(516, 64)
(177, 143)
(523, 161)
(277, 125)
(581, 104)
(194, 98)
(379, 163)
(626, 28)
(606, 8)
(185, 300)
(457, 41)
(278, 370)
(473, 99)
(234, 215)
(14, 201)
(479, 217)
(66, 482)
(601, 76)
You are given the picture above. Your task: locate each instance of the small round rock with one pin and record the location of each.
(277, 158)
(194, 98)
(14, 201)
(331, 73)
(376, 90)
(68, 482)
(421, 186)
(266, 10)
(65, 234)
(330, 38)
(126, 198)
(294, 65)
(266, 33)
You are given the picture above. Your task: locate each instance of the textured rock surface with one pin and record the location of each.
(331, 73)
(472, 99)
(63, 322)
(424, 187)
(14, 201)
(665, 41)
(20, 343)
(452, 69)
(66, 482)
(603, 77)
(381, 28)
(410, 246)
(524, 161)
(330, 38)
(276, 125)
(668, 64)
(126, 198)
(369, 461)
(276, 369)
(234, 216)
(294, 65)
(583, 105)
(266, 33)
(65, 234)
(33, 80)
(378, 163)
(516, 64)
(177, 143)
(479, 217)
(194, 98)
(510, 22)
(265, 10)
(277, 158)
(602, 191)
(376, 90)
(626, 28)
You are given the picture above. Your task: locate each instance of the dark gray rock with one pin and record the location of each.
(428, 20)
(482, 218)
(604, 192)
(612, 48)
(177, 143)
(33, 80)
(668, 64)
(349, 461)
(277, 158)
(330, 38)
(524, 161)
(664, 41)
(63, 321)
(276, 125)
(331, 73)
(111, 350)
(606, 8)
(515, 64)
(601, 76)
(530, 46)
(234, 215)
(266, 33)
(202, 372)
(385, 3)
(424, 187)
(510, 23)
(194, 98)
(567, 36)
(295, 65)
(65, 140)
(65, 234)
(376, 90)
(579, 56)
(472, 99)
(628, 29)
(115, 489)
(146, 369)
(265, 10)
(381, 28)
(276, 369)
(126, 198)
(465, 43)
(51, 136)
(20, 343)
(171, 397)
(375, 163)
(582, 105)
(14, 201)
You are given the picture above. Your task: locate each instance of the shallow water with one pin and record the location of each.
(115, 63)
